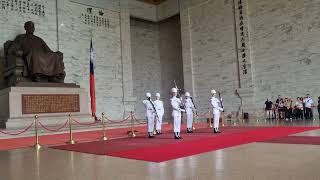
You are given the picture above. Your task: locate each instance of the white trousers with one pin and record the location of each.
(159, 122)
(176, 121)
(216, 117)
(150, 120)
(189, 120)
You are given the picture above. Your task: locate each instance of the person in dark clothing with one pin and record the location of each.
(277, 105)
(268, 108)
(319, 106)
(298, 109)
(281, 109)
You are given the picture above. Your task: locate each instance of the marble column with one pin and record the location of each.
(128, 98)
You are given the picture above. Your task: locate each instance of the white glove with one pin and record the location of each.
(182, 110)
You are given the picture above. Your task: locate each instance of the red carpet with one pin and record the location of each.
(59, 139)
(312, 140)
(164, 147)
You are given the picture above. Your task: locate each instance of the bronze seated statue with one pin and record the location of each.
(28, 58)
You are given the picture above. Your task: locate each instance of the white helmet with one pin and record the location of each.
(174, 90)
(157, 94)
(187, 94)
(148, 95)
(213, 91)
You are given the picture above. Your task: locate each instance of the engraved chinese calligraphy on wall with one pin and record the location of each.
(242, 38)
(35, 7)
(95, 17)
(243, 43)
(50, 103)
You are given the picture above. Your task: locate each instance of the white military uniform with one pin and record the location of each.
(149, 115)
(216, 109)
(176, 114)
(189, 111)
(160, 111)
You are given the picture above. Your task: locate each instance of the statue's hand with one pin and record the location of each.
(19, 53)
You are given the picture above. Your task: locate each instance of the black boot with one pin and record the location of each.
(216, 130)
(179, 136)
(176, 135)
(151, 135)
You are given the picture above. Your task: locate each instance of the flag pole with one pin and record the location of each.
(92, 83)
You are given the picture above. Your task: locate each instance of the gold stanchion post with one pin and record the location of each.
(195, 121)
(222, 121)
(104, 137)
(71, 141)
(37, 144)
(132, 124)
(209, 115)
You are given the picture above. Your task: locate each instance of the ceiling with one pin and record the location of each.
(155, 2)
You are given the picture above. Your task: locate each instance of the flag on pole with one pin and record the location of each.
(92, 86)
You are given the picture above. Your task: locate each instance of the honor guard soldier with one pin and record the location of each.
(160, 111)
(176, 113)
(149, 114)
(189, 111)
(216, 109)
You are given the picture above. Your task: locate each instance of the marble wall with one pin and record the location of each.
(209, 58)
(156, 60)
(282, 50)
(170, 58)
(285, 43)
(75, 36)
(145, 61)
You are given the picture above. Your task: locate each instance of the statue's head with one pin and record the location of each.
(29, 27)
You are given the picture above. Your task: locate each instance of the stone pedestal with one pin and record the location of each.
(19, 105)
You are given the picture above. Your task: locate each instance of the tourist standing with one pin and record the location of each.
(268, 108)
(308, 105)
(319, 106)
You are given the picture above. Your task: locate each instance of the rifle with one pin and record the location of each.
(194, 105)
(155, 110)
(220, 99)
(179, 95)
(178, 90)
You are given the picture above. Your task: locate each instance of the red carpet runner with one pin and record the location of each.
(164, 147)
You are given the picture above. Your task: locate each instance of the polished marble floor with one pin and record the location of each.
(261, 161)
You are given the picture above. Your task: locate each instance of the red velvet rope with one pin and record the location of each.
(15, 134)
(53, 130)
